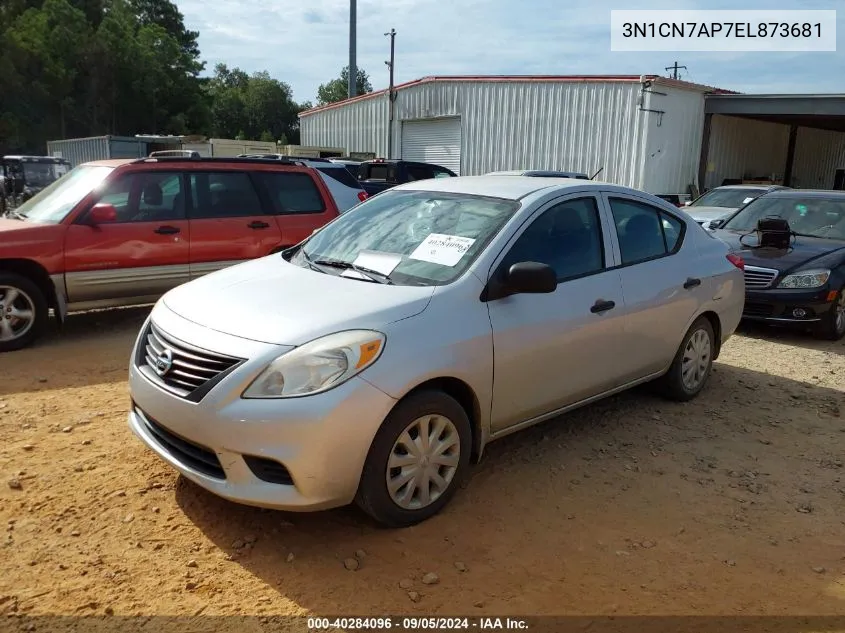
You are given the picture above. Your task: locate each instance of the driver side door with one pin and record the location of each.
(143, 254)
(554, 350)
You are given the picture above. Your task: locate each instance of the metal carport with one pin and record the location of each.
(820, 112)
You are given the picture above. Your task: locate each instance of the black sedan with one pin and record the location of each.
(801, 281)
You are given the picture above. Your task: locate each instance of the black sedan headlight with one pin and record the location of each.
(805, 279)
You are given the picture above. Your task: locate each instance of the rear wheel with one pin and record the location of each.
(416, 461)
(832, 325)
(23, 312)
(692, 364)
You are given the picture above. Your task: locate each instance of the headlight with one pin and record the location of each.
(319, 365)
(805, 279)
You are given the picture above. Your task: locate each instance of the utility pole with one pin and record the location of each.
(675, 70)
(391, 94)
(353, 46)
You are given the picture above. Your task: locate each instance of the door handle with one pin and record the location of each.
(258, 225)
(691, 283)
(167, 230)
(602, 306)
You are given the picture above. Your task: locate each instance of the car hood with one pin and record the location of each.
(706, 214)
(272, 301)
(9, 225)
(804, 250)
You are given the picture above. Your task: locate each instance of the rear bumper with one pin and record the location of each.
(788, 306)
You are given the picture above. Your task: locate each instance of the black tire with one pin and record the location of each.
(828, 328)
(373, 496)
(39, 306)
(671, 384)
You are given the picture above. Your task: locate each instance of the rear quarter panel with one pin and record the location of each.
(726, 281)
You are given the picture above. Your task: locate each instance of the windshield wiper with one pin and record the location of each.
(16, 215)
(369, 273)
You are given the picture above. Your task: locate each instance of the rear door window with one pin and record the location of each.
(341, 175)
(292, 192)
(223, 195)
(644, 231)
(355, 170)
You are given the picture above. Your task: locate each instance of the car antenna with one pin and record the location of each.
(593, 177)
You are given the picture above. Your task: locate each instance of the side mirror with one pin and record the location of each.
(530, 278)
(687, 203)
(101, 213)
(717, 224)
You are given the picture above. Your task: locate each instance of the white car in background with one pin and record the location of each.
(721, 203)
(345, 189)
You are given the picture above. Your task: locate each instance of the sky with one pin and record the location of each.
(305, 42)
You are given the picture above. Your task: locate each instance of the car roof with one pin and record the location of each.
(772, 187)
(507, 187)
(538, 173)
(827, 194)
(111, 162)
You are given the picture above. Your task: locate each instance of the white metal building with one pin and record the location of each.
(648, 132)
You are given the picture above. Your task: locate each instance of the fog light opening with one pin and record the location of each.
(799, 313)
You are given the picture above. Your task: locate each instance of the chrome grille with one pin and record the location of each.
(180, 367)
(757, 278)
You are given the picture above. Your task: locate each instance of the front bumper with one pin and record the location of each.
(296, 454)
(788, 306)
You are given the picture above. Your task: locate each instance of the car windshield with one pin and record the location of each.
(813, 216)
(52, 204)
(727, 197)
(42, 174)
(410, 237)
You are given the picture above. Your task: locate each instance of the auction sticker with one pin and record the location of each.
(446, 250)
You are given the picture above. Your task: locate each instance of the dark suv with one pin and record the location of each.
(380, 174)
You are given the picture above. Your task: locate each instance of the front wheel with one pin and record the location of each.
(692, 364)
(23, 312)
(416, 461)
(832, 325)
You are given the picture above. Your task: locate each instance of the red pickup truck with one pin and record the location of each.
(123, 232)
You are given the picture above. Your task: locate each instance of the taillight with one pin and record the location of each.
(736, 260)
(363, 195)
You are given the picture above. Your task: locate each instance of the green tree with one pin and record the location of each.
(251, 105)
(166, 15)
(52, 43)
(338, 89)
(115, 49)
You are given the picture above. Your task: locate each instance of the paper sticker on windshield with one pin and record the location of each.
(383, 263)
(446, 250)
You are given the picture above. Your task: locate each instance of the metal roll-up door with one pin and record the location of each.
(436, 141)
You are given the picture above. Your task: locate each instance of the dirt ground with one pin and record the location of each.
(731, 504)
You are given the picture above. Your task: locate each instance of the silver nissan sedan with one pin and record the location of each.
(375, 360)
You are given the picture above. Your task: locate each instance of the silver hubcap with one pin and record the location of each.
(423, 462)
(17, 313)
(696, 360)
(840, 311)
